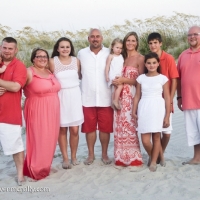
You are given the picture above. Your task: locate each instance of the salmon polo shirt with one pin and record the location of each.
(168, 66)
(10, 102)
(189, 72)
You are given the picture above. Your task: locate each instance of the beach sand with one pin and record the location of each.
(98, 181)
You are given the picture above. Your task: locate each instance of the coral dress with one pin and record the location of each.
(126, 144)
(42, 116)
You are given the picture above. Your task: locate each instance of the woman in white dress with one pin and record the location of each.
(150, 109)
(66, 68)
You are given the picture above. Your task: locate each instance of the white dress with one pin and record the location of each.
(116, 66)
(151, 107)
(71, 113)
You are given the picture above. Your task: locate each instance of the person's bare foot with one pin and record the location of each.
(20, 181)
(106, 161)
(66, 165)
(162, 163)
(153, 167)
(75, 162)
(89, 161)
(191, 162)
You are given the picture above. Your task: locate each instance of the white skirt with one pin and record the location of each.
(71, 111)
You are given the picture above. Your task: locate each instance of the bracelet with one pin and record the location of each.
(178, 98)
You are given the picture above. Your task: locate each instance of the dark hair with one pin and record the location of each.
(154, 36)
(149, 56)
(124, 53)
(55, 48)
(9, 40)
(115, 41)
(34, 52)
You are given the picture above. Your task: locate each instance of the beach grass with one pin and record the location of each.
(173, 30)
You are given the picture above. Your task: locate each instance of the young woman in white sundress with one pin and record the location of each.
(150, 109)
(66, 68)
(114, 65)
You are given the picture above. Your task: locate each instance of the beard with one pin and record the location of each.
(7, 58)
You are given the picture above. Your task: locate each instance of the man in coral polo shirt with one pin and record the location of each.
(11, 82)
(188, 91)
(169, 69)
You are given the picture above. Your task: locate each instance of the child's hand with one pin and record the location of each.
(107, 79)
(3, 68)
(135, 117)
(166, 122)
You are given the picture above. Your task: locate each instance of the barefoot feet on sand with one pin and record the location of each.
(89, 161)
(191, 162)
(153, 167)
(66, 165)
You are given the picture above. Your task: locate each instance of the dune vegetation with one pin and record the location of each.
(173, 30)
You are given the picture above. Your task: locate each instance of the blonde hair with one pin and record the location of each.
(115, 41)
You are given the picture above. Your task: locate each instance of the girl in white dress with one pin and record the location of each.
(66, 68)
(114, 66)
(150, 109)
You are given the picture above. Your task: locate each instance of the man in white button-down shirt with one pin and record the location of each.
(96, 96)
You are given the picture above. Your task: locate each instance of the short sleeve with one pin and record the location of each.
(139, 79)
(20, 74)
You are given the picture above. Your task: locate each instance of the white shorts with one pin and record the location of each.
(10, 138)
(169, 129)
(192, 126)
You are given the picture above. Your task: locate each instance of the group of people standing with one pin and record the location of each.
(122, 92)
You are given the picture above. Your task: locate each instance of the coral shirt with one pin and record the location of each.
(168, 66)
(189, 72)
(10, 102)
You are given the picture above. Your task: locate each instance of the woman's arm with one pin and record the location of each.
(141, 64)
(29, 77)
(107, 69)
(136, 101)
(166, 94)
(79, 69)
(51, 65)
(121, 80)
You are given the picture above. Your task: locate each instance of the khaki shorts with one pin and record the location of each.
(10, 138)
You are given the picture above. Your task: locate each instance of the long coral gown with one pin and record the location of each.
(126, 144)
(42, 116)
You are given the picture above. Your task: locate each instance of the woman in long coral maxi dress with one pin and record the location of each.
(42, 116)
(126, 143)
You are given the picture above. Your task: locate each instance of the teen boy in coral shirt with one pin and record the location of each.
(169, 69)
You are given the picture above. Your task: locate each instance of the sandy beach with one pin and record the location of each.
(98, 181)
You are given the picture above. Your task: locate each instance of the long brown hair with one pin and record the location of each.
(56, 53)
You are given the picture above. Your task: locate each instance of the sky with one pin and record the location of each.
(73, 15)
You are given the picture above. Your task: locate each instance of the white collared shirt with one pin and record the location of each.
(95, 91)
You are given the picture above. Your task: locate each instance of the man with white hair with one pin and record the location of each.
(188, 91)
(96, 96)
